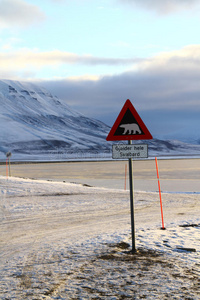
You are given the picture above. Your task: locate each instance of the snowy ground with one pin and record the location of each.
(69, 241)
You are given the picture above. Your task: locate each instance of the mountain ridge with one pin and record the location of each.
(32, 119)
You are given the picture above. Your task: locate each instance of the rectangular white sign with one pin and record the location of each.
(129, 151)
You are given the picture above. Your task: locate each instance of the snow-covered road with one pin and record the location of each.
(61, 240)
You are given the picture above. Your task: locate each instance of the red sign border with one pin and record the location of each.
(146, 136)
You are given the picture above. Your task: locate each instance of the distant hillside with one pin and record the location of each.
(35, 123)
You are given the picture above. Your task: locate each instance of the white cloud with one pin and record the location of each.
(189, 57)
(32, 59)
(166, 85)
(163, 6)
(26, 58)
(169, 80)
(19, 13)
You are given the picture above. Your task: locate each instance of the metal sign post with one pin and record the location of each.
(132, 202)
(129, 126)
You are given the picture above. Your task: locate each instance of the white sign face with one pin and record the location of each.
(129, 151)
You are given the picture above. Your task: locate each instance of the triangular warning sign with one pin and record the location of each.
(128, 126)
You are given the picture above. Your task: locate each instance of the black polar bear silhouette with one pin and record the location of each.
(131, 128)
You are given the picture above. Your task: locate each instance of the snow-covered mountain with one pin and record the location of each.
(35, 125)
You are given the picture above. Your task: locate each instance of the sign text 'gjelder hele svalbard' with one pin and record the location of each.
(129, 151)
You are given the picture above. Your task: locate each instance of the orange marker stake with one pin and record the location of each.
(163, 227)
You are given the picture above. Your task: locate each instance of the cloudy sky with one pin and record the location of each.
(95, 54)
